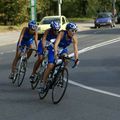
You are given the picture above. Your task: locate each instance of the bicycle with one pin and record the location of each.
(38, 75)
(57, 80)
(21, 66)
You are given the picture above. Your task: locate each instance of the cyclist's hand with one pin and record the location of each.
(36, 53)
(76, 63)
(56, 58)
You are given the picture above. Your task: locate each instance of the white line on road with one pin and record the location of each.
(88, 49)
(93, 89)
(97, 46)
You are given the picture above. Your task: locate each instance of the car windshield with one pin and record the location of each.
(104, 15)
(49, 20)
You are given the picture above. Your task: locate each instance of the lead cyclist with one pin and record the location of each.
(64, 39)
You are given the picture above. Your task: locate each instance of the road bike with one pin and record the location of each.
(57, 80)
(21, 66)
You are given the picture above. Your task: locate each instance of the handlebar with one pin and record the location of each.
(27, 48)
(64, 58)
(50, 43)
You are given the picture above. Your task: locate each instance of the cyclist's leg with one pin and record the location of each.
(39, 60)
(30, 45)
(17, 55)
(64, 52)
(50, 65)
(14, 63)
(47, 71)
(37, 64)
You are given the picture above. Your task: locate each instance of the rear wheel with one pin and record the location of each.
(60, 85)
(16, 73)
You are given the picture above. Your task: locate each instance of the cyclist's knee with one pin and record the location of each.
(50, 66)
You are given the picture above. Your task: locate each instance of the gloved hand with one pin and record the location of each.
(76, 63)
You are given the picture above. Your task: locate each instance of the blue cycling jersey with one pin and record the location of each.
(50, 35)
(27, 36)
(65, 42)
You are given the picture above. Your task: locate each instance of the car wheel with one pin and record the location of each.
(113, 25)
(95, 26)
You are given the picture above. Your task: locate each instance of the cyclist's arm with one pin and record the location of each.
(75, 46)
(59, 37)
(44, 38)
(36, 39)
(21, 35)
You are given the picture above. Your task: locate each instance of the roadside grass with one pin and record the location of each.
(20, 26)
(6, 28)
(80, 19)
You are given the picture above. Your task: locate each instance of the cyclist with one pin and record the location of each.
(49, 34)
(27, 36)
(64, 39)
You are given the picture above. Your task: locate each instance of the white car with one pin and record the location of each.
(45, 23)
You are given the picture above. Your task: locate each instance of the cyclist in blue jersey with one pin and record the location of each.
(49, 34)
(27, 36)
(64, 39)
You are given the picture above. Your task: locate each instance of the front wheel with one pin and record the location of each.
(60, 85)
(21, 72)
(42, 95)
(38, 77)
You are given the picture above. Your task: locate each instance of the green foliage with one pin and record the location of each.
(18, 11)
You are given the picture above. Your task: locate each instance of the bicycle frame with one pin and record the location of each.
(57, 68)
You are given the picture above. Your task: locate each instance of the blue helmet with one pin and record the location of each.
(71, 26)
(55, 25)
(32, 25)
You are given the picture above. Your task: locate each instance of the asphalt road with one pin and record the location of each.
(93, 92)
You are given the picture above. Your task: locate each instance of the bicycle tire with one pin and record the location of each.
(15, 77)
(37, 78)
(60, 85)
(43, 95)
(35, 83)
(21, 72)
(16, 73)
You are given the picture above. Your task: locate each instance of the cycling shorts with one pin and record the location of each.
(26, 43)
(51, 58)
(40, 49)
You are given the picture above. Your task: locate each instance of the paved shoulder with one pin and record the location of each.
(7, 38)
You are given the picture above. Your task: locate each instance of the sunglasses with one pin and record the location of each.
(34, 28)
(73, 31)
(56, 31)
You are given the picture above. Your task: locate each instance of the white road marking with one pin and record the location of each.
(94, 89)
(96, 46)
(83, 51)
(86, 50)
